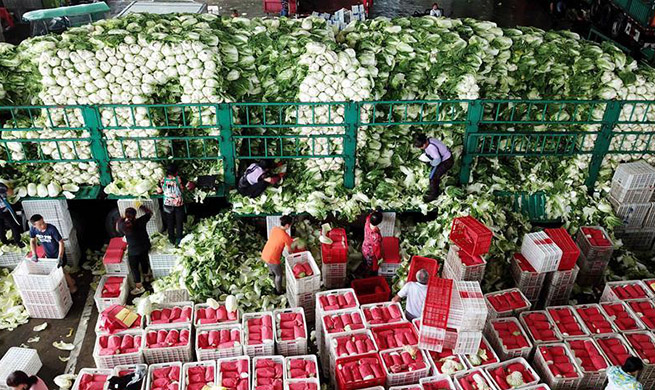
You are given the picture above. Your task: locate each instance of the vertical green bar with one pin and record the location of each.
(603, 141)
(98, 145)
(350, 143)
(473, 118)
(227, 149)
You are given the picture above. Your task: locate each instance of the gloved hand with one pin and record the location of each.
(60, 262)
(35, 259)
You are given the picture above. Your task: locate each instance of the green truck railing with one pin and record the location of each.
(230, 132)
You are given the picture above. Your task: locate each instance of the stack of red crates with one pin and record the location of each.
(432, 334)
(559, 284)
(115, 251)
(473, 240)
(334, 259)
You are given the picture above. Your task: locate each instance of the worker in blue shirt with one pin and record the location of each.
(440, 159)
(52, 243)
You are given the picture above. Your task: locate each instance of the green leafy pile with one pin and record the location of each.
(12, 311)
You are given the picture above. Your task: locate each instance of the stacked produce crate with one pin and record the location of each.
(633, 185)
(155, 225)
(168, 333)
(559, 283)
(291, 331)
(596, 250)
(303, 281)
(219, 333)
(334, 259)
(23, 359)
(162, 261)
(390, 247)
(115, 258)
(43, 288)
(465, 257)
(56, 213)
(527, 279)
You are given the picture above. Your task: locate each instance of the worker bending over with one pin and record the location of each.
(278, 240)
(440, 159)
(257, 178)
(415, 292)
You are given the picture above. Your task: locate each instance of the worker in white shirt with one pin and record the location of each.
(438, 156)
(415, 292)
(436, 11)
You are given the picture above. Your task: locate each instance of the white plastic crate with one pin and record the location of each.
(91, 371)
(557, 383)
(490, 368)
(334, 275)
(637, 239)
(628, 195)
(218, 353)
(161, 263)
(609, 295)
(287, 377)
(332, 351)
(462, 374)
(406, 387)
(185, 370)
(560, 285)
(468, 310)
(611, 356)
(579, 328)
(57, 296)
(198, 325)
(306, 284)
(592, 325)
(131, 368)
(103, 303)
(72, 248)
(438, 380)
(53, 211)
(405, 378)
(305, 300)
(634, 175)
(321, 336)
(122, 268)
(155, 225)
(290, 347)
(43, 275)
(175, 295)
(493, 313)
(497, 343)
(275, 358)
(388, 224)
(56, 311)
(632, 214)
(590, 379)
(371, 306)
(649, 221)
(622, 323)
(170, 305)
(647, 374)
(541, 252)
(464, 342)
(315, 381)
(23, 359)
(219, 373)
(263, 349)
(11, 259)
(153, 367)
(168, 354)
(590, 251)
(541, 313)
(526, 278)
(111, 361)
(319, 309)
(481, 343)
(455, 269)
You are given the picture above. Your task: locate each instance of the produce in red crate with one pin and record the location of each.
(219, 338)
(119, 344)
(171, 315)
(303, 385)
(566, 321)
(260, 330)
(92, 382)
(406, 360)
(209, 315)
(474, 381)
(446, 362)
(594, 319)
(484, 356)
(588, 355)
(298, 368)
(510, 334)
(643, 344)
(629, 291)
(337, 301)
(438, 384)
(506, 301)
(234, 374)
(383, 313)
(511, 375)
(395, 336)
(615, 349)
(621, 317)
(198, 376)
(645, 310)
(290, 326)
(165, 378)
(596, 237)
(112, 287)
(558, 362)
(346, 322)
(268, 374)
(540, 327)
(302, 269)
(356, 344)
(362, 369)
(165, 338)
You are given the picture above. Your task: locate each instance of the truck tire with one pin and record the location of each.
(618, 25)
(110, 222)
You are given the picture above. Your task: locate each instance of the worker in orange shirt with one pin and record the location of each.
(278, 239)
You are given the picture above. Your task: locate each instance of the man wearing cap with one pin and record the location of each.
(415, 292)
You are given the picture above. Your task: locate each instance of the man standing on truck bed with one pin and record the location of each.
(440, 159)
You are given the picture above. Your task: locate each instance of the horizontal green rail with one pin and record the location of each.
(533, 144)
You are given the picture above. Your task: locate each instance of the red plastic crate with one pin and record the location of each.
(391, 250)
(371, 290)
(275, 6)
(570, 251)
(378, 330)
(437, 302)
(470, 235)
(418, 262)
(337, 252)
(341, 381)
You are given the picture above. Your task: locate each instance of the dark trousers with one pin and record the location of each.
(254, 190)
(139, 264)
(174, 223)
(7, 222)
(441, 170)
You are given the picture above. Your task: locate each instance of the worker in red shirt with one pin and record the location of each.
(372, 245)
(278, 240)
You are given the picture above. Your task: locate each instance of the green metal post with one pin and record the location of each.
(603, 141)
(98, 144)
(227, 147)
(351, 118)
(473, 118)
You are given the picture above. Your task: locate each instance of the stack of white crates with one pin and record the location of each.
(18, 359)
(633, 185)
(56, 213)
(162, 262)
(301, 292)
(459, 265)
(43, 288)
(155, 225)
